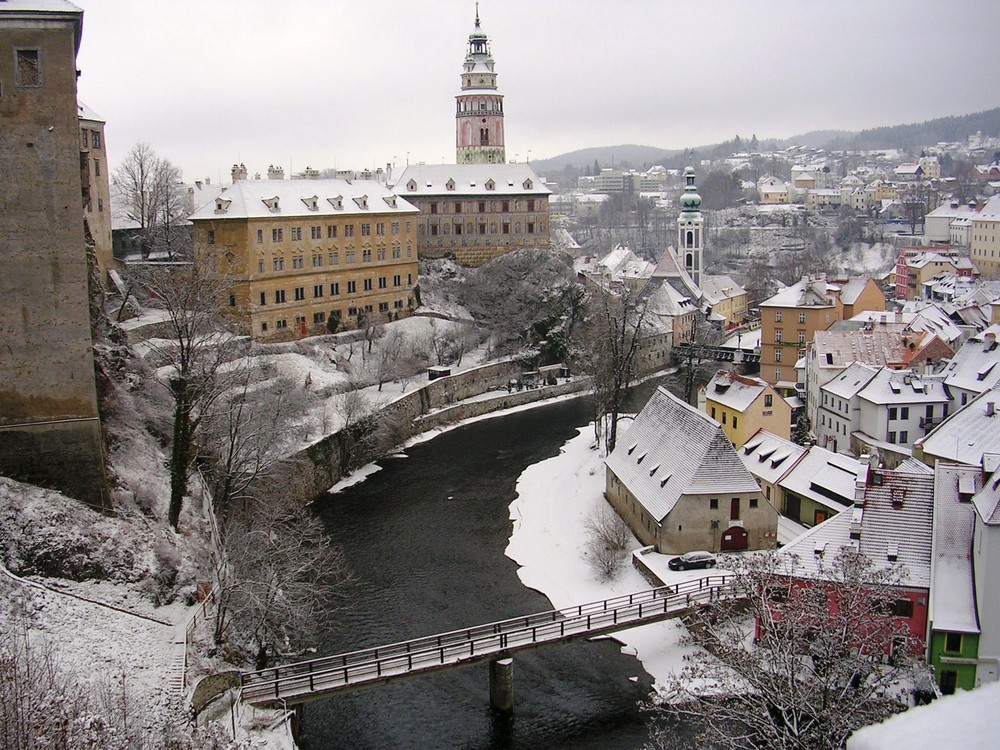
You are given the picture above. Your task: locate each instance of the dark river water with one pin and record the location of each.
(426, 537)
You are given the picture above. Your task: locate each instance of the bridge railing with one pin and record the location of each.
(328, 673)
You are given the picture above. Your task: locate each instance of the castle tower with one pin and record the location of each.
(479, 108)
(690, 224)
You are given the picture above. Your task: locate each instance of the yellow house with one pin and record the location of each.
(984, 239)
(859, 294)
(788, 321)
(727, 299)
(744, 405)
(303, 252)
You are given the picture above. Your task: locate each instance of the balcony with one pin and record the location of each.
(931, 421)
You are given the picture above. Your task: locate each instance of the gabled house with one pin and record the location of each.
(968, 436)
(769, 459)
(975, 367)
(890, 523)
(744, 405)
(675, 478)
(986, 564)
(818, 486)
(726, 299)
(837, 402)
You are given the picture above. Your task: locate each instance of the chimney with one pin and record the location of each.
(990, 408)
(275, 173)
(239, 172)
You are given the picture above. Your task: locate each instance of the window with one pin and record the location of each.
(84, 138)
(802, 317)
(777, 374)
(904, 412)
(317, 290)
(949, 681)
(777, 316)
(777, 355)
(713, 503)
(892, 413)
(396, 281)
(279, 296)
(316, 233)
(331, 232)
(298, 261)
(366, 256)
(380, 253)
(505, 206)
(263, 298)
(953, 643)
(263, 327)
(382, 282)
(395, 227)
(753, 502)
(396, 253)
(380, 229)
(724, 416)
(334, 258)
(802, 337)
(97, 167)
(350, 256)
(281, 323)
(434, 208)
(902, 608)
(95, 139)
(317, 260)
(891, 437)
(779, 335)
(232, 300)
(458, 208)
(383, 307)
(300, 293)
(458, 227)
(28, 73)
(482, 207)
(398, 304)
(531, 204)
(904, 437)
(734, 509)
(368, 285)
(296, 234)
(210, 237)
(260, 236)
(734, 421)
(319, 317)
(366, 230)
(260, 266)
(349, 230)
(768, 400)
(531, 227)
(335, 289)
(279, 264)
(505, 228)
(277, 235)
(352, 287)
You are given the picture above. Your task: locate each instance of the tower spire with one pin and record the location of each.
(479, 136)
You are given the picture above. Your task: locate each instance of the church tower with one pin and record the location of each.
(479, 108)
(690, 226)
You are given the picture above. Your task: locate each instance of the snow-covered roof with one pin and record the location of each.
(40, 6)
(953, 596)
(987, 500)
(670, 267)
(895, 522)
(911, 465)
(434, 180)
(769, 457)
(965, 436)
(83, 112)
(824, 477)
(719, 288)
(257, 199)
(976, 365)
(882, 345)
(811, 291)
(852, 288)
(851, 381)
(733, 390)
(671, 450)
(667, 302)
(904, 387)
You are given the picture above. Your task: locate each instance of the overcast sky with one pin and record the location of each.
(358, 83)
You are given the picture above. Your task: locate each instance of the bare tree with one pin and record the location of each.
(192, 355)
(793, 663)
(609, 539)
(149, 193)
(388, 363)
(282, 580)
(616, 329)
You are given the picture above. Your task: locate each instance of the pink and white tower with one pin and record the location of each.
(479, 108)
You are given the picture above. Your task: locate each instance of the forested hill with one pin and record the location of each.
(915, 135)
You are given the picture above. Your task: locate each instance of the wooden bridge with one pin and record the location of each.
(305, 681)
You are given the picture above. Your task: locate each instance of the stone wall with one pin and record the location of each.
(308, 473)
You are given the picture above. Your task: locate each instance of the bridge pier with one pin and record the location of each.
(502, 685)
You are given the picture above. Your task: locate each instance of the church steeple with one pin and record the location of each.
(690, 228)
(479, 137)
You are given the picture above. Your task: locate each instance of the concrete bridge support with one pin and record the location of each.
(502, 686)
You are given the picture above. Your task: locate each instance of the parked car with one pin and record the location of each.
(692, 560)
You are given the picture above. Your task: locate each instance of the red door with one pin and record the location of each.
(734, 538)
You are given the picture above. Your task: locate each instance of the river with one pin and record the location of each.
(426, 536)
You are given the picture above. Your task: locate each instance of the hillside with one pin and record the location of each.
(906, 137)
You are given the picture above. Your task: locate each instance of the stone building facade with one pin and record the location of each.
(303, 251)
(479, 136)
(476, 212)
(97, 185)
(50, 431)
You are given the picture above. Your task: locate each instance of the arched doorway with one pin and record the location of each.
(734, 538)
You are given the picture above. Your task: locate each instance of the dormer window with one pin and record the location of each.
(450, 184)
(390, 201)
(312, 203)
(528, 184)
(272, 204)
(337, 202)
(490, 184)
(411, 185)
(222, 205)
(362, 202)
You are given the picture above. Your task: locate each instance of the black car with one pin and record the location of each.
(692, 560)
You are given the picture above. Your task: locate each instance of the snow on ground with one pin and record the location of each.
(556, 499)
(966, 720)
